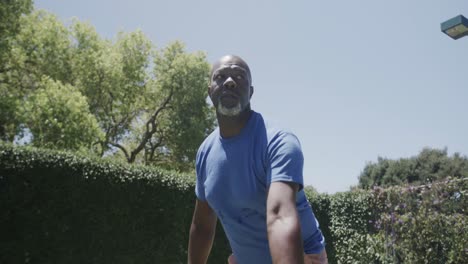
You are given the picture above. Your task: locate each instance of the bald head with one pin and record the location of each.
(229, 60)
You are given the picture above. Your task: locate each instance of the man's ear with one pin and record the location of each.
(251, 90)
(210, 93)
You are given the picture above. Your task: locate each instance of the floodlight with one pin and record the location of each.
(456, 27)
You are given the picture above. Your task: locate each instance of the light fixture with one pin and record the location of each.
(456, 27)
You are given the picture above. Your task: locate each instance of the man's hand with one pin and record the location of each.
(202, 233)
(284, 228)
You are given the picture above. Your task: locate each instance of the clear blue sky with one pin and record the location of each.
(353, 79)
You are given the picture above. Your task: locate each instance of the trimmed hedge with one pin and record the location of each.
(59, 207)
(62, 208)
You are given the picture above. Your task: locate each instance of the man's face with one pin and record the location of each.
(230, 86)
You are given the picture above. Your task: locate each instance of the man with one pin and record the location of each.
(249, 176)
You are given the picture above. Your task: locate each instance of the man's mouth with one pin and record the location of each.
(229, 99)
(229, 96)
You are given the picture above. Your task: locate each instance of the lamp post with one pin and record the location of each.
(456, 27)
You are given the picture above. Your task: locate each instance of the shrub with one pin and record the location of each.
(425, 224)
(63, 208)
(59, 207)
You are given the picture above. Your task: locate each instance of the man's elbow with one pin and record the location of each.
(282, 221)
(273, 215)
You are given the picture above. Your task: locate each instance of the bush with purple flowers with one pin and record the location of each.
(406, 224)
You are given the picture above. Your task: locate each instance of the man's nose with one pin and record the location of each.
(230, 83)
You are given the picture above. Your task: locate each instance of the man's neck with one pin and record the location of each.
(230, 126)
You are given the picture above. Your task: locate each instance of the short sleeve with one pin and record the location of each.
(286, 159)
(199, 185)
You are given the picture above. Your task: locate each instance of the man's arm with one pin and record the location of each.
(202, 233)
(284, 228)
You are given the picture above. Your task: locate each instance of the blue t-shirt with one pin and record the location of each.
(233, 176)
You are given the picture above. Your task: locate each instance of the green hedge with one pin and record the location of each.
(63, 208)
(59, 207)
(321, 204)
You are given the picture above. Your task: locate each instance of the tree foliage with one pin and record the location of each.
(182, 79)
(58, 117)
(10, 15)
(40, 48)
(429, 166)
(66, 87)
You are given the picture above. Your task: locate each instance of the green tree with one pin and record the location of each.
(10, 14)
(150, 105)
(183, 78)
(40, 48)
(113, 77)
(58, 117)
(176, 116)
(428, 166)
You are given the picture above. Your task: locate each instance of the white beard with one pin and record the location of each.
(232, 111)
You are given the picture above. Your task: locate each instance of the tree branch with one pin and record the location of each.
(150, 128)
(153, 147)
(117, 145)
